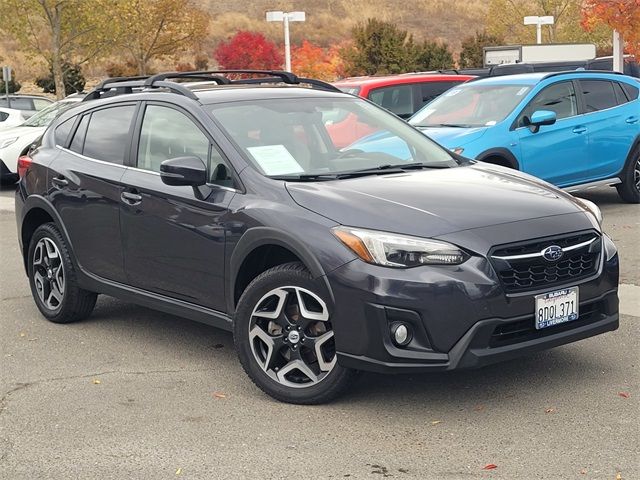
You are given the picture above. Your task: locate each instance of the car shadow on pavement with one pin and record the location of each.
(512, 381)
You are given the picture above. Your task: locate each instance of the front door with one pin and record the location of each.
(174, 237)
(556, 153)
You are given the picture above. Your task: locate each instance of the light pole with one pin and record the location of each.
(286, 17)
(538, 22)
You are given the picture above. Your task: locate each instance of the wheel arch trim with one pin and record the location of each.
(33, 202)
(260, 236)
(500, 152)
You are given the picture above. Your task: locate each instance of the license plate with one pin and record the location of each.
(556, 307)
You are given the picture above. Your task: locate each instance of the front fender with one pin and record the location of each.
(258, 236)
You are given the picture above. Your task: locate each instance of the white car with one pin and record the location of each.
(10, 117)
(15, 141)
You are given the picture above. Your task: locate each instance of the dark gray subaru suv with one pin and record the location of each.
(227, 201)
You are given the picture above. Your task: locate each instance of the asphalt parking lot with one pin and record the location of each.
(133, 393)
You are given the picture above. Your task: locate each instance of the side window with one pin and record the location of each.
(40, 103)
(78, 138)
(632, 92)
(61, 133)
(397, 99)
(108, 133)
(598, 95)
(621, 98)
(559, 98)
(3, 116)
(431, 90)
(167, 133)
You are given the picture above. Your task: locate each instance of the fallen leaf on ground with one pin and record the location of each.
(583, 471)
(178, 471)
(435, 422)
(478, 408)
(624, 394)
(489, 466)
(96, 381)
(550, 410)
(618, 476)
(219, 395)
(22, 334)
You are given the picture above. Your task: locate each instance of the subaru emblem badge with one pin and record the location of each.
(552, 253)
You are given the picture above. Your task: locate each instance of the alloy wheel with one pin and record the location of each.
(48, 274)
(292, 338)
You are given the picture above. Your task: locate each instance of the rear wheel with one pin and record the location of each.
(629, 189)
(52, 278)
(285, 339)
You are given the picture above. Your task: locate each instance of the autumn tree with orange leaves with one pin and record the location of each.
(620, 15)
(310, 60)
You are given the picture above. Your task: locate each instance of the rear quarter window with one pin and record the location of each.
(630, 90)
(61, 133)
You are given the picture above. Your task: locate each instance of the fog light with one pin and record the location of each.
(400, 333)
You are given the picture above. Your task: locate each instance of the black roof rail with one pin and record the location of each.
(124, 85)
(271, 76)
(567, 72)
(449, 71)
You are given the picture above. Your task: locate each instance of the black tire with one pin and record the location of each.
(75, 303)
(291, 277)
(629, 189)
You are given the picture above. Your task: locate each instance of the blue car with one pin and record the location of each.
(573, 129)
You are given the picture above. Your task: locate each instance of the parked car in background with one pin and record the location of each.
(573, 129)
(28, 104)
(630, 66)
(402, 94)
(229, 204)
(16, 141)
(10, 117)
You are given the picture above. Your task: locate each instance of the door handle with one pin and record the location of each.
(59, 182)
(632, 120)
(579, 129)
(131, 198)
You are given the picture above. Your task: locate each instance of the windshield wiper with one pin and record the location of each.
(381, 170)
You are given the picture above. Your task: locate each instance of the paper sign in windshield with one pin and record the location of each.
(275, 160)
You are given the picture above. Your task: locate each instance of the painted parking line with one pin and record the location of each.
(629, 299)
(6, 204)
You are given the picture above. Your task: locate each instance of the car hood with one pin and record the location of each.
(431, 203)
(20, 131)
(452, 137)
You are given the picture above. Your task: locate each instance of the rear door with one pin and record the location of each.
(86, 186)
(556, 153)
(174, 237)
(612, 123)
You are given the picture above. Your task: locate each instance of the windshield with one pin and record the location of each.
(471, 105)
(45, 116)
(316, 136)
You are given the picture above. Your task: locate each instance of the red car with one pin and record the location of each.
(402, 94)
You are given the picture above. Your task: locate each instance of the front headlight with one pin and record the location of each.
(394, 250)
(592, 208)
(7, 141)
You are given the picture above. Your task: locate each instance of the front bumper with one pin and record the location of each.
(460, 316)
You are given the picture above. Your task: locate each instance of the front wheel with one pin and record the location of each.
(629, 189)
(285, 339)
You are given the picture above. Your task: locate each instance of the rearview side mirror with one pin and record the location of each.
(189, 171)
(541, 117)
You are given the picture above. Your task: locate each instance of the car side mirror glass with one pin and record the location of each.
(189, 171)
(541, 117)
